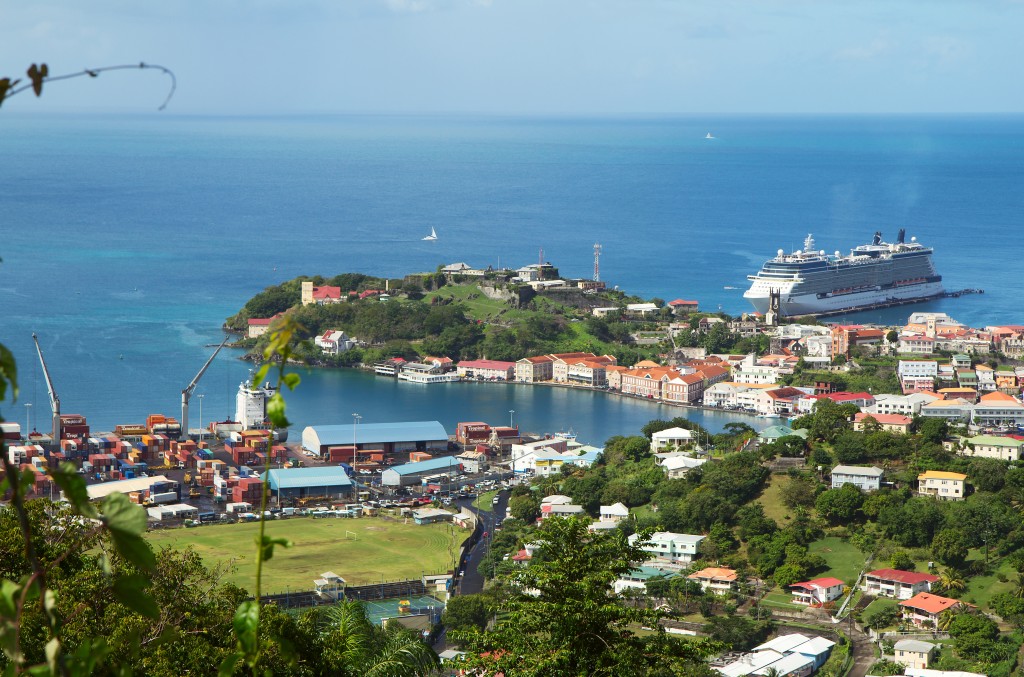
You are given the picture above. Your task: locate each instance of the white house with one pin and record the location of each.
(678, 465)
(670, 439)
(897, 583)
(672, 548)
(996, 409)
(817, 591)
(991, 446)
(913, 653)
(614, 513)
(906, 405)
(334, 341)
(865, 479)
(718, 579)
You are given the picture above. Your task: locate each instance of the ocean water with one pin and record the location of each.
(126, 240)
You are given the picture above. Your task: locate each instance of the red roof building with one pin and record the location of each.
(818, 591)
(925, 607)
(897, 583)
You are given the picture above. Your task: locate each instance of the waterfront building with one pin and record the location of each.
(865, 479)
(945, 486)
(647, 382)
(334, 342)
(578, 367)
(533, 369)
(487, 370)
(907, 405)
(259, 326)
(391, 437)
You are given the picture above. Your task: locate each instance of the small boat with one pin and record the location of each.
(709, 136)
(432, 236)
(727, 287)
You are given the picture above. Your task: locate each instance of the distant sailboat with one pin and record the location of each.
(709, 136)
(432, 236)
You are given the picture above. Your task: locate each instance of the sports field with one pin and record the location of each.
(382, 547)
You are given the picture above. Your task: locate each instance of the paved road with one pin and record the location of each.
(472, 582)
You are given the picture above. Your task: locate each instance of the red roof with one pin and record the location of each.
(885, 419)
(682, 302)
(487, 364)
(326, 292)
(522, 556)
(908, 577)
(818, 583)
(847, 397)
(929, 603)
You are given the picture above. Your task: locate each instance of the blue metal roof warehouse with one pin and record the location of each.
(410, 473)
(329, 481)
(319, 437)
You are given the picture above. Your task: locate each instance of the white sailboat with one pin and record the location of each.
(709, 136)
(432, 236)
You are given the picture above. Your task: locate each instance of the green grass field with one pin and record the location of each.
(844, 560)
(771, 499)
(483, 501)
(383, 548)
(981, 589)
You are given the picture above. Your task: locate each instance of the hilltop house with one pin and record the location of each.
(671, 548)
(897, 583)
(925, 607)
(945, 486)
(817, 591)
(716, 579)
(865, 479)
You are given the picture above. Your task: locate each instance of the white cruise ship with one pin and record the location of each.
(810, 282)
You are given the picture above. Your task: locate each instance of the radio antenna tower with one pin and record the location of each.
(597, 262)
(540, 257)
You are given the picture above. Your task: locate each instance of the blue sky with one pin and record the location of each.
(525, 56)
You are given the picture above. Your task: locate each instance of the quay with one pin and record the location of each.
(896, 302)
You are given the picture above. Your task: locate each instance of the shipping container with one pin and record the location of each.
(164, 497)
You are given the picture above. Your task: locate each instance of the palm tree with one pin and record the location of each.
(354, 646)
(946, 617)
(1019, 591)
(952, 581)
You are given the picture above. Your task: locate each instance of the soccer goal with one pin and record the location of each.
(351, 536)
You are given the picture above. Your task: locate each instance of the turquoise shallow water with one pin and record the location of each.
(134, 237)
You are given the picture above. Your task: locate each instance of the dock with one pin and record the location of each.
(896, 302)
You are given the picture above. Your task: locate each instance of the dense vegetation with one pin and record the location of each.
(433, 315)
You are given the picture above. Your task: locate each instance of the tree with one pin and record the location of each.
(949, 547)
(840, 506)
(901, 559)
(352, 645)
(525, 507)
(573, 623)
(799, 491)
(465, 611)
(951, 581)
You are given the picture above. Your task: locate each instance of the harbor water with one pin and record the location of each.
(126, 240)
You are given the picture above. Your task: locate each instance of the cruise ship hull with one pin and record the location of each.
(794, 304)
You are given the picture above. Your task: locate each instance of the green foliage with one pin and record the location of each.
(800, 491)
(883, 614)
(525, 507)
(840, 506)
(575, 624)
(949, 547)
(901, 559)
(738, 633)
(465, 611)
(886, 667)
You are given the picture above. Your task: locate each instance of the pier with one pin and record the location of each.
(896, 302)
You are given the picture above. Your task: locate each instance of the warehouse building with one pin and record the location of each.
(296, 483)
(413, 473)
(391, 437)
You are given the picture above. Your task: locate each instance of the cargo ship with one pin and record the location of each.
(811, 282)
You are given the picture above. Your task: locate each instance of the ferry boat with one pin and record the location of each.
(810, 282)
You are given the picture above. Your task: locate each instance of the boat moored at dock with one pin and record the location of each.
(810, 282)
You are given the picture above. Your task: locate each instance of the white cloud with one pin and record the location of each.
(878, 47)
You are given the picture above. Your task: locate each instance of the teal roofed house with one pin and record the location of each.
(776, 432)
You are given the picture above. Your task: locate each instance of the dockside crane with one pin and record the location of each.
(54, 398)
(186, 394)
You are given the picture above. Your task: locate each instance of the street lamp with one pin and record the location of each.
(201, 435)
(355, 425)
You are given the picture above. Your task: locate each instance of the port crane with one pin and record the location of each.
(54, 398)
(186, 394)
